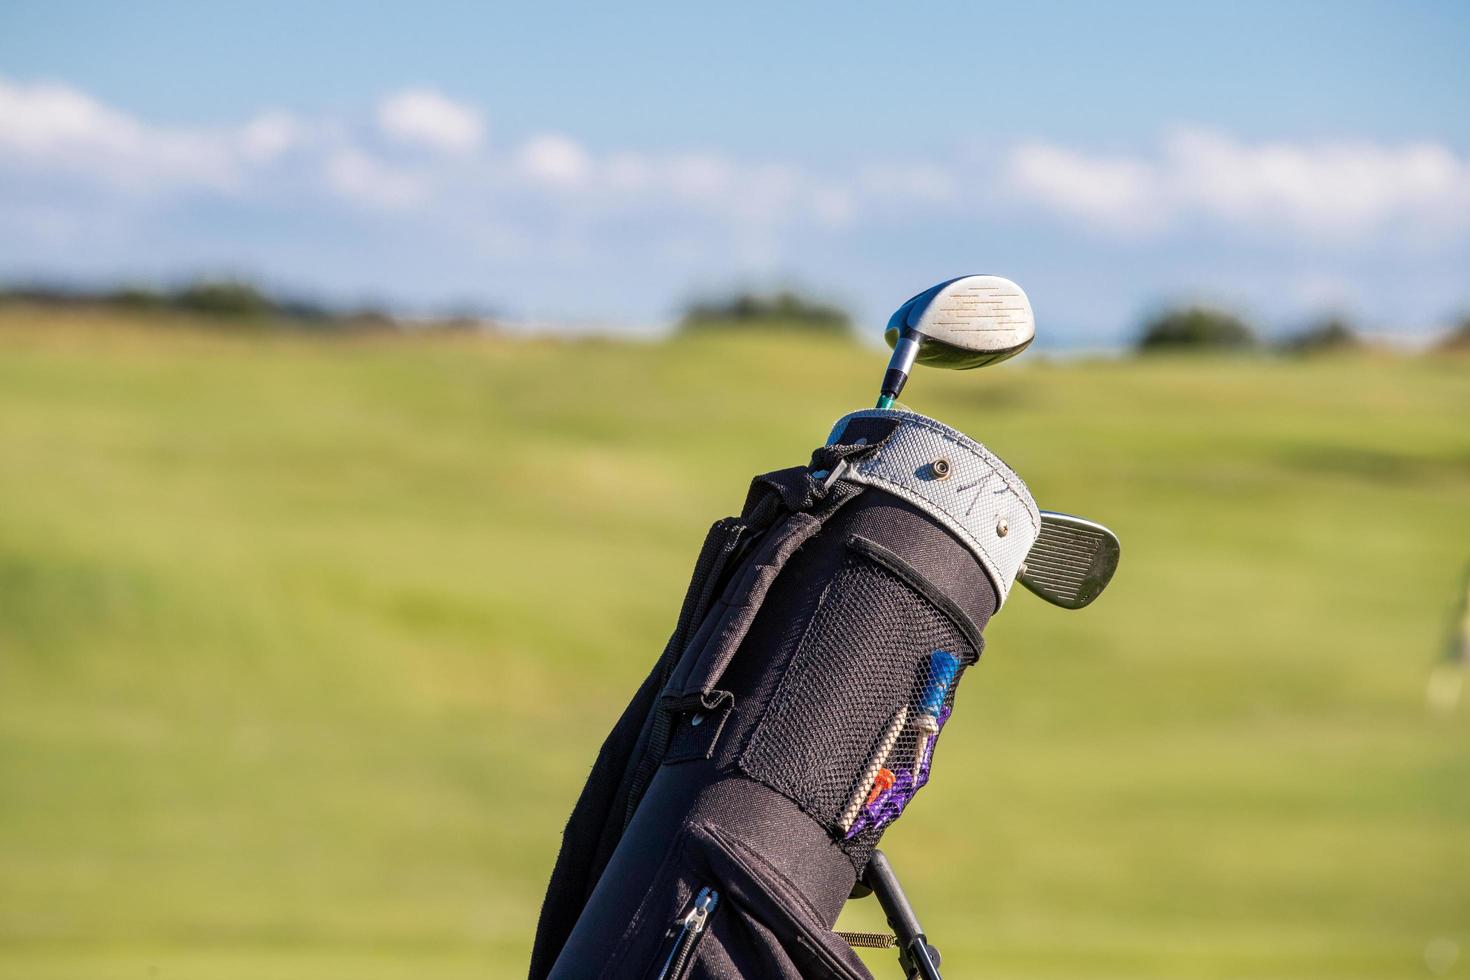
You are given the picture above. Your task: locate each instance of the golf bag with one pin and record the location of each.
(794, 714)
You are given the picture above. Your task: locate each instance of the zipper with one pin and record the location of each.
(690, 929)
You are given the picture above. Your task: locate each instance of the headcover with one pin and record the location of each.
(957, 481)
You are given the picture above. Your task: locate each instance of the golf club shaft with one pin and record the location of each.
(899, 366)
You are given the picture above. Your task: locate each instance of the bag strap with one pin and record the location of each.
(639, 741)
(783, 509)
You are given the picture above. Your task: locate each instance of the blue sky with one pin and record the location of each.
(599, 165)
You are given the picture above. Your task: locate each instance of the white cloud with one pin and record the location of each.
(354, 175)
(45, 119)
(1117, 193)
(1344, 191)
(425, 117)
(1338, 189)
(699, 176)
(269, 135)
(71, 164)
(554, 159)
(55, 127)
(1327, 188)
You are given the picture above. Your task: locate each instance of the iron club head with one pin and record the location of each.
(1072, 561)
(960, 324)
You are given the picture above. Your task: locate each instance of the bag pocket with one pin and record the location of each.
(747, 920)
(851, 731)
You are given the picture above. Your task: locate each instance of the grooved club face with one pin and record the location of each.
(1072, 561)
(966, 322)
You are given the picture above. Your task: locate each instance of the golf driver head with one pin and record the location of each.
(960, 324)
(1072, 560)
(966, 322)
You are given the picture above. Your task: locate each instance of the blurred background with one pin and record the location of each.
(369, 376)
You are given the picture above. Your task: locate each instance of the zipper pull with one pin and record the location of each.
(704, 904)
(689, 929)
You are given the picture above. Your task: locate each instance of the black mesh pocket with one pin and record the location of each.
(850, 732)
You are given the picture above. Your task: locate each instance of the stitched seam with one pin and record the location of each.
(801, 931)
(926, 590)
(986, 561)
(1012, 479)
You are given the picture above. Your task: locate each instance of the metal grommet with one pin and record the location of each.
(1002, 528)
(941, 468)
(696, 721)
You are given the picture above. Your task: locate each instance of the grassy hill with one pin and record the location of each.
(290, 686)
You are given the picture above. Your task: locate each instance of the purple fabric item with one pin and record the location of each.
(891, 802)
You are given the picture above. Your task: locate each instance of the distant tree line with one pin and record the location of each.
(222, 300)
(1210, 330)
(1190, 328)
(1458, 341)
(784, 310)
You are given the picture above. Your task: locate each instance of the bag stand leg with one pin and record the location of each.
(915, 955)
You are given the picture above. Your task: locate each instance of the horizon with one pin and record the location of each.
(309, 313)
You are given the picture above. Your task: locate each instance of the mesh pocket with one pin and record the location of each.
(851, 730)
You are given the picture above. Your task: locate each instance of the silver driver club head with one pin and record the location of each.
(1072, 560)
(960, 324)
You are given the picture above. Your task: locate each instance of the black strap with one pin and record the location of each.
(772, 497)
(640, 740)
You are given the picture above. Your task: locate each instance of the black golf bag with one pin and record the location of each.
(794, 714)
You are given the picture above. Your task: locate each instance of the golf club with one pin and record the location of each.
(1071, 562)
(959, 324)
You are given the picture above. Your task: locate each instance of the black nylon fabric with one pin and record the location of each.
(804, 639)
(790, 617)
(683, 839)
(857, 663)
(597, 820)
(582, 857)
(638, 740)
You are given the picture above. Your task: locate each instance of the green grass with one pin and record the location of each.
(307, 643)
